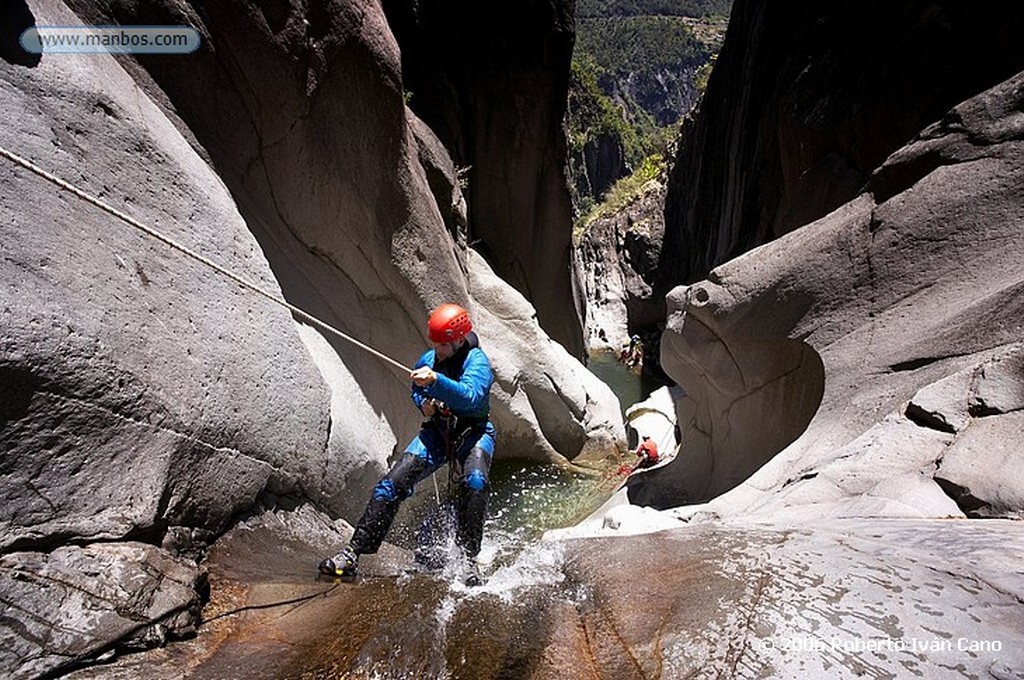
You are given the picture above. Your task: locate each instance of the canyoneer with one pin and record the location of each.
(451, 385)
(647, 452)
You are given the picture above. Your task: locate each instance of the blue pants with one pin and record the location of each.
(472, 450)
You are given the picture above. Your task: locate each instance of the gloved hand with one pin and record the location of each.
(423, 376)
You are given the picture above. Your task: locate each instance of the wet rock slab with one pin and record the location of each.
(855, 598)
(271, 616)
(876, 598)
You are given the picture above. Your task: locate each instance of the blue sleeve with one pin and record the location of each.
(471, 394)
(418, 393)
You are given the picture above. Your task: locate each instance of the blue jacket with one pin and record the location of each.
(466, 390)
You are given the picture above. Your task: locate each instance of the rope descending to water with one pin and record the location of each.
(67, 186)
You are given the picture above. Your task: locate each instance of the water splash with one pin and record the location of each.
(537, 564)
(521, 572)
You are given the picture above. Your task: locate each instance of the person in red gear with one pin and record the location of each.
(648, 452)
(451, 385)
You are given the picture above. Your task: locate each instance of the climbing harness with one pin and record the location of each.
(67, 186)
(448, 421)
(453, 437)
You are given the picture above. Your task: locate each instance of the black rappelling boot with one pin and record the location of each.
(472, 507)
(344, 564)
(373, 525)
(369, 534)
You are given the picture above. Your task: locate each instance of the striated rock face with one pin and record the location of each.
(597, 165)
(666, 94)
(58, 606)
(806, 101)
(145, 398)
(491, 79)
(618, 255)
(877, 350)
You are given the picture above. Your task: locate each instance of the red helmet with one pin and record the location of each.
(448, 323)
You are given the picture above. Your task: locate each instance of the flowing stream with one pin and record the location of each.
(396, 622)
(526, 500)
(414, 625)
(628, 384)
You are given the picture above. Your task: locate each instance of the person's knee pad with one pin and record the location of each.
(386, 491)
(475, 480)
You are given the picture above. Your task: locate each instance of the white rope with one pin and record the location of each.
(196, 256)
(437, 493)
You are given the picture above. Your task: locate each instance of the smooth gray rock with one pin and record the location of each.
(354, 200)
(983, 470)
(945, 404)
(894, 299)
(361, 245)
(579, 420)
(838, 599)
(806, 100)
(140, 389)
(981, 407)
(998, 387)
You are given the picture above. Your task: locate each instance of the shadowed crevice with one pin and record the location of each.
(15, 19)
(962, 496)
(760, 398)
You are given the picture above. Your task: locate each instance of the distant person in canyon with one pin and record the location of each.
(648, 453)
(451, 386)
(633, 353)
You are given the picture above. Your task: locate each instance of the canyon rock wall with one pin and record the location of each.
(901, 313)
(805, 102)
(618, 256)
(492, 80)
(146, 400)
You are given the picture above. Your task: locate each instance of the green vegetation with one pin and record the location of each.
(594, 114)
(700, 80)
(638, 64)
(623, 192)
(629, 188)
(640, 45)
(632, 8)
